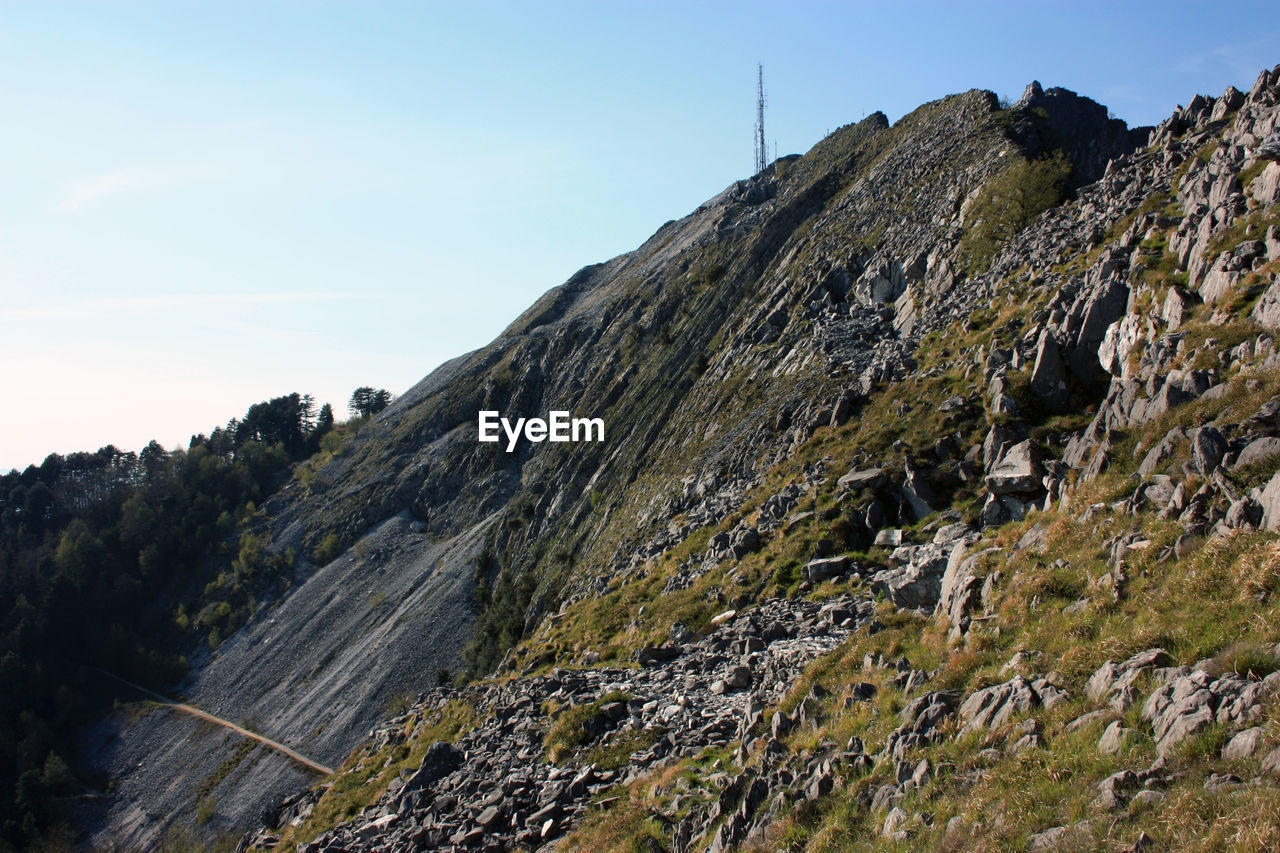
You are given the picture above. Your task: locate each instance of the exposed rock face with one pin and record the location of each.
(916, 582)
(1191, 701)
(1080, 127)
(994, 706)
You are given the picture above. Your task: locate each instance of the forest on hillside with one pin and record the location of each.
(126, 562)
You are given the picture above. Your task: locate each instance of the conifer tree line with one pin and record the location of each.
(125, 561)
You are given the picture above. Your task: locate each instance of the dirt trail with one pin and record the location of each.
(205, 715)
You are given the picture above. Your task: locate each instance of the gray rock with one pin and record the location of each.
(917, 493)
(917, 584)
(993, 706)
(1190, 702)
(1002, 405)
(890, 537)
(1266, 312)
(1243, 513)
(1265, 188)
(1113, 683)
(895, 820)
(1085, 720)
(1245, 744)
(1207, 449)
(958, 591)
(1017, 472)
(1221, 781)
(1115, 739)
(1257, 451)
(817, 571)
(1269, 499)
(1105, 303)
(489, 817)
(1177, 307)
(1048, 376)
(1121, 337)
(1113, 792)
(1217, 283)
(844, 407)
(1271, 763)
(739, 678)
(440, 760)
(1051, 838)
(859, 478)
(1270, 147)
(999, 439)
(1148, 799)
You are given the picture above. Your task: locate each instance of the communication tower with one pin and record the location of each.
(762, 152)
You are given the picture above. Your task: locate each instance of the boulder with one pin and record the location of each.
(1265, 188)
(816, 571)
(993, 706)
(1161, 451)
(959, 590)
(440, 760)
(1177, 307)
(1245, 744)
(843, 409)
(1190, 702)
(1048, 376)
(862, 477)
(1266, 312)
(917, 584)
(917, 494)
(1115, 739)
(1113, 791)
(999, 437)
(890, 537)
(1269, 498)
(1270, 147)
(1208, 446)
(1121, 337)
(1105, 304)
(1017, 472)
(738, 678)
(1271, 763)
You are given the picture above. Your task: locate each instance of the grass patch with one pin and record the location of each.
(566, 733)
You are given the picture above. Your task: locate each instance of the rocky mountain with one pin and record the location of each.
(933, 508)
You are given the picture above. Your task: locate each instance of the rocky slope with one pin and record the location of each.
(870, 518)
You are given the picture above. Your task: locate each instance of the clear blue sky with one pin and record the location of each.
(203, 205)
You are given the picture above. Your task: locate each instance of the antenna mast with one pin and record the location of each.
(762, 153)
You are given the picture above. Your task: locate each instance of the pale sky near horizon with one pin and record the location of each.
(206, 205)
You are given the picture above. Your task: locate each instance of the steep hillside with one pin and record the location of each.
(1011, 587)
(870, 384)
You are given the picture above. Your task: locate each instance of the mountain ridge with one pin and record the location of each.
(730, 344)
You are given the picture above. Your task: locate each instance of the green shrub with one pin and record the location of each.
(205, 810)
(329, 549)
(1008, 203)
